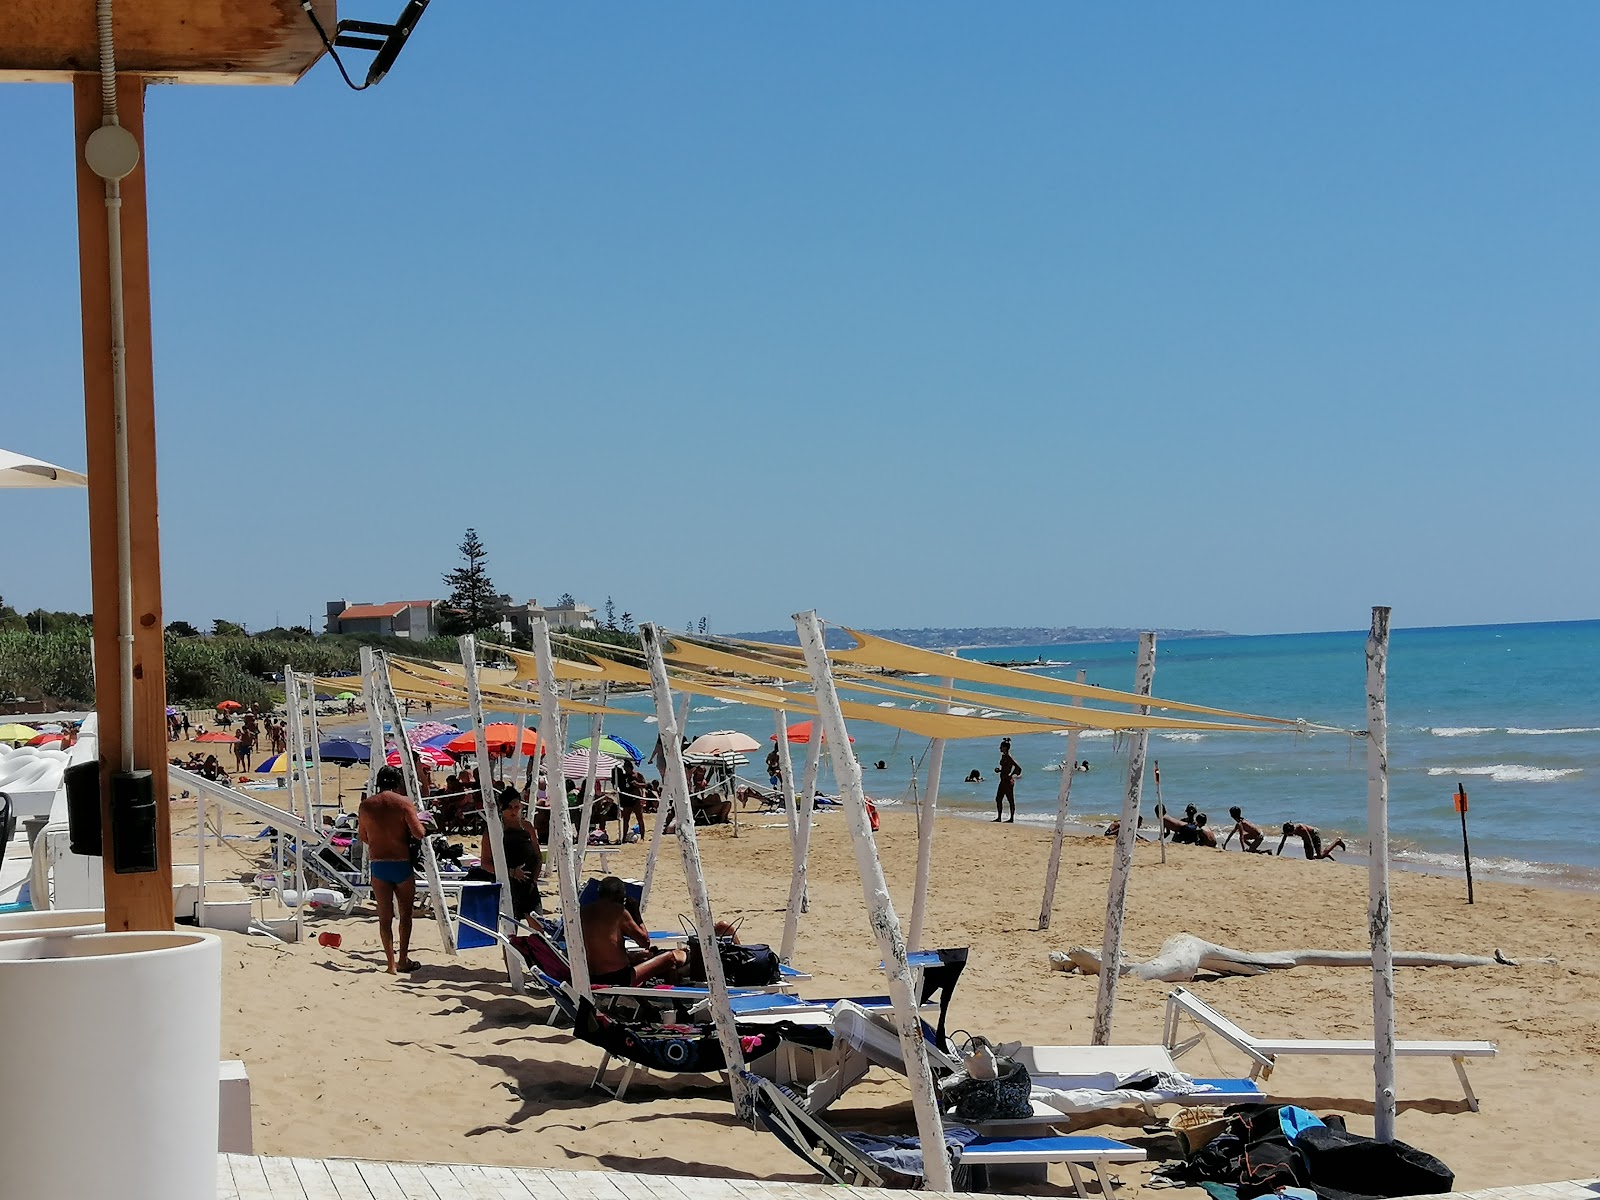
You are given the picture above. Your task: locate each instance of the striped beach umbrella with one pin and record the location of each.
(576, 765)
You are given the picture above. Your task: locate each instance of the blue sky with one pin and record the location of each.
(1245, 317)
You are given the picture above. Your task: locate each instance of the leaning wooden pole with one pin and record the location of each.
(1059, 837)
(467, 644)
(1122, 853)
(780, 722)
(806, 812)
(552, 743)
(1378, 910)
(926, 812)
(675, 791)
(663, 812)
(597, 729)
(880, 908)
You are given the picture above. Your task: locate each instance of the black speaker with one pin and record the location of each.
(133, 822)
(82, 781)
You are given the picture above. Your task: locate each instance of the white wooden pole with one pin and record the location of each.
(315, 755)
(1063, 798)
(1378, 910)
(806, 810)
(369, 693)
(675, 788)
(493, 829)
(597, 725)
(201, 804)
(880, 908)
(1122, 854)
(925, 816)
(663, 811)
(388, 707)
(780, 722)
(554, 747)
(295, 746)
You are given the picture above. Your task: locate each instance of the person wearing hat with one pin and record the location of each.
(1005, 794)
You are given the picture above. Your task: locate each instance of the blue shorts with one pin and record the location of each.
(391, 871)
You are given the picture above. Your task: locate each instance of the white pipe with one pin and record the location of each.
(675, 790)
(1063, 797)
(119, 392)
(597, 725)
(663, 811)
(1122, 854)
(1378, 911)
(880, 907)
(807, 811)
(560, 822)
(494, 830)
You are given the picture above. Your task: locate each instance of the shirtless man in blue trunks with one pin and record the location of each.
(386, 820)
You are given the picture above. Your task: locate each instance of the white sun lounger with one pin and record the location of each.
(1264, 1052)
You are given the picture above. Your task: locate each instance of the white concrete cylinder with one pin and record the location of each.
(111, 1081)
(51, 922)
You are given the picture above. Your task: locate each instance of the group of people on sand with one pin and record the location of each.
(1193, 829)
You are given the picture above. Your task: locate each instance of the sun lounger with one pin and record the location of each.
(856, 1160)
(1264, 1052)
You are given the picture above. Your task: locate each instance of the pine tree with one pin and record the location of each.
(473, 602)
(611, 614)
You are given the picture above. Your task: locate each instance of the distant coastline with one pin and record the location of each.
(989, 637)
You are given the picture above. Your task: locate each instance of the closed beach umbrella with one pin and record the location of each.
(799, 734)
(723, 741)
(342, 752)
(576, 765)
(17, 734)
(615, 746)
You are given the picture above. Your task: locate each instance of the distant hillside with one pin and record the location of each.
(951, 639)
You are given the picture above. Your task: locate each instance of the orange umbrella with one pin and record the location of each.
(216, 735)
(502, 737)
(229, 706)
(799, 734)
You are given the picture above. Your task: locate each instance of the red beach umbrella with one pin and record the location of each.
(502, 737)
(799, 734)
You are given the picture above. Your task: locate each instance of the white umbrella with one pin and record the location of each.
(20, 471)
(576, 765)
(723, 741)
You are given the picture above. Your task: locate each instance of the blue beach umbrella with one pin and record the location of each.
(342, 752)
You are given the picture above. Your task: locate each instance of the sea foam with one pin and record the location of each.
(1511, 772)
(1459, 731)
(1547, 732)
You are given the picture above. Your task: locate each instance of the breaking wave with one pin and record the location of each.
(1511, 772)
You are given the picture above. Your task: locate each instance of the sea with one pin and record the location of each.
(1511, 712)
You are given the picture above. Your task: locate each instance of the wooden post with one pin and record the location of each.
(1063, 796)
(467, 644)
(780, 722)
(597, 726)
(1378, 911)
(926, 812)
(142, 901)
(553, 747)
(1122, 854)
(663, 811)
(294, 747)
(1466, 846)
(1161, 814)
(806, 810)
(880, 907)
(675, 791)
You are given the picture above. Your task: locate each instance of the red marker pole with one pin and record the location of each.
(1466, 849)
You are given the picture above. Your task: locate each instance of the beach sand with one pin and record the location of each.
(447, 1064)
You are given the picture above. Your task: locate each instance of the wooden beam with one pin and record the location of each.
(166, 41)
(142, 901)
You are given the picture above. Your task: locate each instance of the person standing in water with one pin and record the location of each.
(1005, 794)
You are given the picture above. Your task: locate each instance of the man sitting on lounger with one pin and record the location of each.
(607, 924)
(1310, 839)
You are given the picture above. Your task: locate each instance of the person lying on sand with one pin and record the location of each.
(1250, 836)
(607, 924)
(1310, 839)
(1191, 831)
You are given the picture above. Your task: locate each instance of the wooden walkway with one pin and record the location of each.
(244, 1177)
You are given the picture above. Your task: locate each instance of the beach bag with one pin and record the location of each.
(1343, 1166)
(1007, 1096)
(743, 965)
(872, 815)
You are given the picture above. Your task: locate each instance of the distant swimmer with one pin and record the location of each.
(880, 765)
(1250, 837)
(974, 776)
(1310, 839)
(1008, 770)
(1084, 765)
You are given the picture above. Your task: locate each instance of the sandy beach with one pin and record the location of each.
(447, 1064)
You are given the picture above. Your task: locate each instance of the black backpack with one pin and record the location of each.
(1347, 1166)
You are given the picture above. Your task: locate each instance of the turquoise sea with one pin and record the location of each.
(1511, 711)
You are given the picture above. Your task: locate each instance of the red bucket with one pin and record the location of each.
(330, 940)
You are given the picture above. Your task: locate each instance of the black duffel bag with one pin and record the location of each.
(1347, 1166)
(743, 964)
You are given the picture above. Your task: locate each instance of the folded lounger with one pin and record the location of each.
(1264, 1052)
(867, 1160)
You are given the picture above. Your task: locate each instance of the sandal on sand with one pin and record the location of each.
(411, 964)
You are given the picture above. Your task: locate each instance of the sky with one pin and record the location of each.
(1243, 317)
